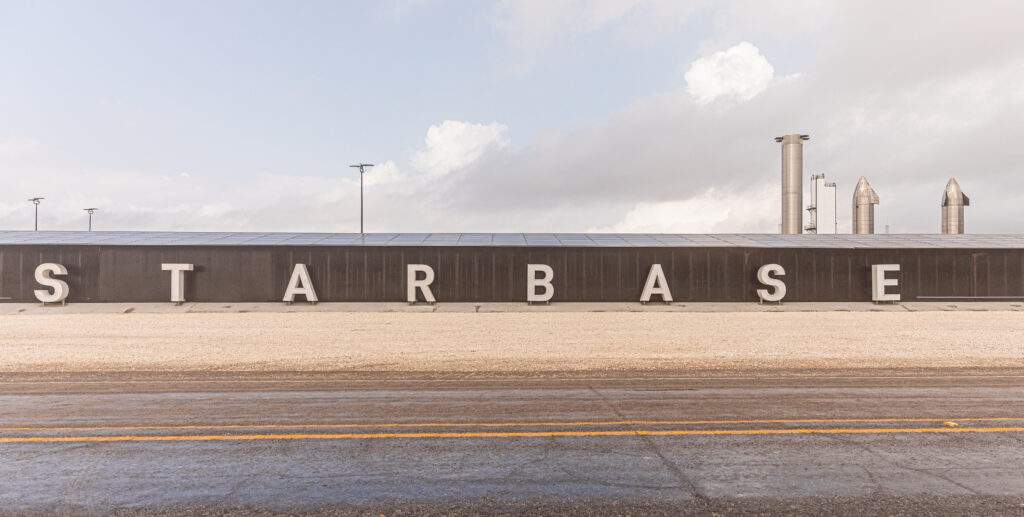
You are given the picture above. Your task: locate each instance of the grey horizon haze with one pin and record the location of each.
(531, 116)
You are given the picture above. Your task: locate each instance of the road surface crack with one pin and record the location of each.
(926, 472)
(685, 483)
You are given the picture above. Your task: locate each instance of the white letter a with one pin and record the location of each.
(300, 284)
(656, 284)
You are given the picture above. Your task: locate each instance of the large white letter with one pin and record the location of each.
(300, 284)
(763, 276)
(532, 283)
(60, 287)
(423, 285)
(879, 283)
(656, 284)
(177, 280)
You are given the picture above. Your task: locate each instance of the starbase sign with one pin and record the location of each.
(421, 277)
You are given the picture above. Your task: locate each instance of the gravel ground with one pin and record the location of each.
(509, 342)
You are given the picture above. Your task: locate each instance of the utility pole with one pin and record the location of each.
(90, 210)
(36, 201)
(362, 169)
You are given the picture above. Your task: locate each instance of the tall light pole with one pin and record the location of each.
(362, 168)
(90, 210)
(36, 201)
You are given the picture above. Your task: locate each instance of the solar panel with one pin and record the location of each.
(508, 239)
(979, 241)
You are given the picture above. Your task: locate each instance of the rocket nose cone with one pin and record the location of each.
(864, 193)
(863, 185)
(953, 186)
(953, 193)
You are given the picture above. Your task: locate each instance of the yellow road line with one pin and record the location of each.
(511, 424)
(539, 434)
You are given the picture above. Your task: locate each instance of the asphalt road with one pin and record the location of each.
(851, 442)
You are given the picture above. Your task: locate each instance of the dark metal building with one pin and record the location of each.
(256, 267)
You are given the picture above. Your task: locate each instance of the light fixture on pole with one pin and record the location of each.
(362, 168)
(90, 210)
(36, 201)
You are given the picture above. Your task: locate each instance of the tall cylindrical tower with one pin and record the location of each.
(864, 201)
(953, 202)
(792, 182)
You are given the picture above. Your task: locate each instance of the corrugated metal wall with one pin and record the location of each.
(465, 274)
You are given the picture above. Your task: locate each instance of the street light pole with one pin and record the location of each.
(36, 201)
(362, 168)
(90, 210)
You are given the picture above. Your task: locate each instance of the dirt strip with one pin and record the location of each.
(513, 342)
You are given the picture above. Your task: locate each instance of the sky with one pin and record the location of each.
(644, 116)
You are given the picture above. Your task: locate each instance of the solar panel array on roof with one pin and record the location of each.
(722, 240)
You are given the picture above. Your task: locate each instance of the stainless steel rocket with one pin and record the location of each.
(864, 201)
(953, 202)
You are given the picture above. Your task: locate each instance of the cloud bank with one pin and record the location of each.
(904, 99)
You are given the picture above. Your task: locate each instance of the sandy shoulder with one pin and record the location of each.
(454, 342)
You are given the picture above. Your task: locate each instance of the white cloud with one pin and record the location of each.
(215, 210)
(383, 173)
(17, 146)
(741, 72)
(452, 145)
(714, 210)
